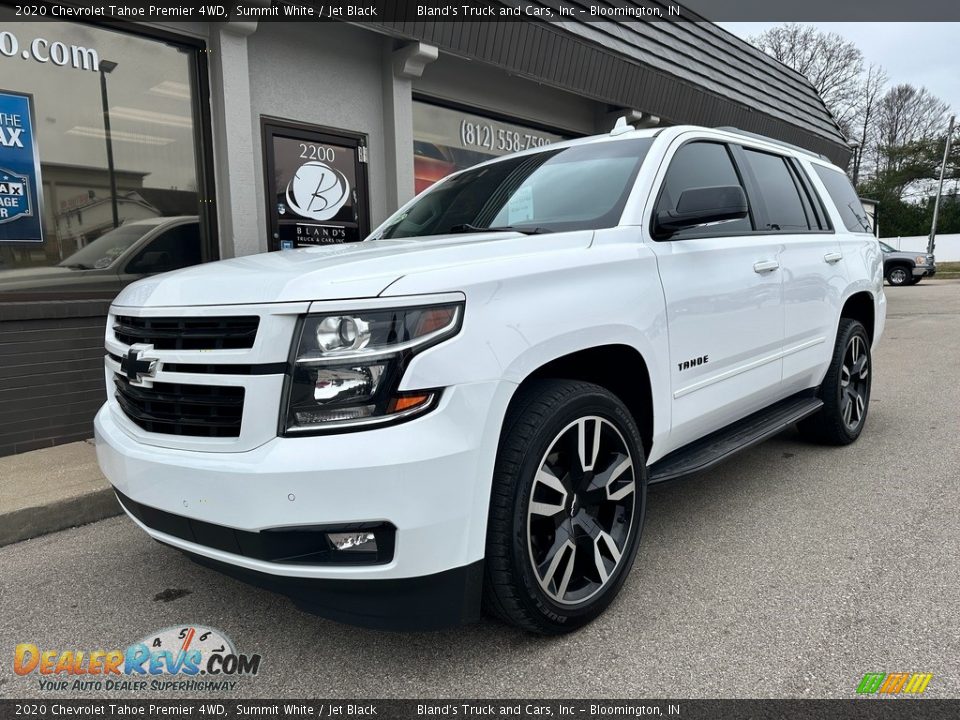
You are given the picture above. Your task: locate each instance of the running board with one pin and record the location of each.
(718, 446)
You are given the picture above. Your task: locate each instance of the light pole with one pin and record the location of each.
(106, 67)
(936, 202)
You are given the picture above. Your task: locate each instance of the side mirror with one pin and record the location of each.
(700, 206)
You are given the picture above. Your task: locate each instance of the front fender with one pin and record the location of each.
(522, 315)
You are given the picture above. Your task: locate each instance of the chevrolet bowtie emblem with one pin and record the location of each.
(135, 367)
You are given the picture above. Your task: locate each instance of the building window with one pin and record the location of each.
(116, 190)
(446, 140)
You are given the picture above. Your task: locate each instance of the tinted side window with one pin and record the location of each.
(785, 210)
(696, 165)
(177, 248)
(812, 202)
(845, 198)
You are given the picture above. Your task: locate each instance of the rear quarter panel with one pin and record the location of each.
(862, 262)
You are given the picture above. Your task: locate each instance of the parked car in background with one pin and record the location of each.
(906, 268)
(116, 258)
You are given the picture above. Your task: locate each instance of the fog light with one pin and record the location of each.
(354, 542)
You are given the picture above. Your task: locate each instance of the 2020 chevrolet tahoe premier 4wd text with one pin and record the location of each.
(466, 409)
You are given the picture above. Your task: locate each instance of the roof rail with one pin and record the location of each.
(781, 143)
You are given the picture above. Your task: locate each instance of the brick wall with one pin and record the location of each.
(51, 372)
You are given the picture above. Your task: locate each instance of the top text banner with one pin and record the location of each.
(400, 11)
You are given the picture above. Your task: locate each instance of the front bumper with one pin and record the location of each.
(924, 270)
(432, 602)
(428, 478)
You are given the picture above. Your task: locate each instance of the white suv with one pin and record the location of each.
(465, 410)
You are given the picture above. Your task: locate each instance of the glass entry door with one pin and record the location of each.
(316, 185)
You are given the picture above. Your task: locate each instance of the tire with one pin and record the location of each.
(544, 523)
(899, 275)
(842, 417)
(915, 280)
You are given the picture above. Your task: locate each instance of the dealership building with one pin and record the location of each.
(159, 145)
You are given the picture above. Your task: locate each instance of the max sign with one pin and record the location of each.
(20, 212)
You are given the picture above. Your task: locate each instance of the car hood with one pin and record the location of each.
(334, 272)
(21, 278)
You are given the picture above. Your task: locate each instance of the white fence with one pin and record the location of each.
(947, 248)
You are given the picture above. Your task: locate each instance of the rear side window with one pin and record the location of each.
(785, 208)
(845, 198)
(697, 165)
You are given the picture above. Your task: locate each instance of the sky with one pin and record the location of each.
(917, 53)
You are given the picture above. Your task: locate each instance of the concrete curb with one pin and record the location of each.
(31, 522)
(52, 489)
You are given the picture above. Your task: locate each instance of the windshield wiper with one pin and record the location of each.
(77, 266)
(468, 228)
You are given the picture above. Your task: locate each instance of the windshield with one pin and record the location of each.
(105, 249)
(886, 248)
(583, 187)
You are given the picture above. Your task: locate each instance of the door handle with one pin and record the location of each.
(765, 266)
(832, 257)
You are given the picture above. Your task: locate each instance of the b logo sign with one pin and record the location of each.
(317, 191)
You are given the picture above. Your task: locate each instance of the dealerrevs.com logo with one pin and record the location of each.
(894, 683)
(187, 658)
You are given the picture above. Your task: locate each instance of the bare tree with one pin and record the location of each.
(865, 119)
(909, 127)
(832, 64)
(907, 114)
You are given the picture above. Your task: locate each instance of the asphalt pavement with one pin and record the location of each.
(790, 570)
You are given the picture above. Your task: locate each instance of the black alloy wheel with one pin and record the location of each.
(845, 389)
(855, 383)
(581, 510)
(566, 506)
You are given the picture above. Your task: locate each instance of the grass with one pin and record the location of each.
(948, 269)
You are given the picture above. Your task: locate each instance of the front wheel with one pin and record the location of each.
(845, 390)
(566, 509)
(898, 276)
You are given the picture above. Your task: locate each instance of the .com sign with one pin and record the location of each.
(44, 51)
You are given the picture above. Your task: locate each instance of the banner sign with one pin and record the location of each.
(20, 210)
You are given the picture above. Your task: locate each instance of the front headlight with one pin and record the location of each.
(920, 260)
(347, 366)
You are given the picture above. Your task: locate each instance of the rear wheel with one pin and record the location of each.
(566, 509)
(845, 390)
(898, 275)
